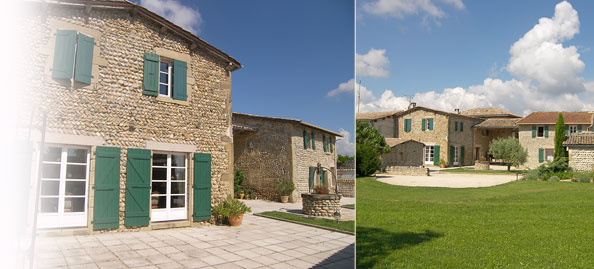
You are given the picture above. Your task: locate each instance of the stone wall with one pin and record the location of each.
(113, 107)
(464, 138)
(436, 137)
(482, 140)
(320, 205)
(385, 126)
(346, 187)
(581, 158)
(407, 170)
(481, 165)
(533, 144)
(264, 156)
(405, 154)
(304, 158)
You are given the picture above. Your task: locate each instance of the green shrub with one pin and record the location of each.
(531, 175)
(582, 177)
(559, 169)
(230, 208)
(238, 178)
(367, 160)
(285, 188)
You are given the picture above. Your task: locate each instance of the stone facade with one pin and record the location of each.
(581, 157)
(483, 138)
(409, 153)
(346, 187)
(275, 151)
(532, 145)
(407, 170)
(321, 205)
(113, 111)
(387, 127)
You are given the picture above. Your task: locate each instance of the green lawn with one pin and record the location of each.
(467, 170)
(348, 226)
(529, 224)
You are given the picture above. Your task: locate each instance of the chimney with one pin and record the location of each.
(412, 105)
(457, 110)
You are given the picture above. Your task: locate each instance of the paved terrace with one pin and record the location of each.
(258, 243)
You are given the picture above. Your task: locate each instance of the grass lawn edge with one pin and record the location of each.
(306, 224)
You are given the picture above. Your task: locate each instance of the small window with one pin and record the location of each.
(165, 76)
(427, 125)
(573, 129)
(549, 154)
(540, 132)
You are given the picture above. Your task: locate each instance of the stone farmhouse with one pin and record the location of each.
(580, 148)
(138, 128)
(537, 134)
(269, 150)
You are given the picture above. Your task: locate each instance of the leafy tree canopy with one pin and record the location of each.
(368, 135)
(509, 150)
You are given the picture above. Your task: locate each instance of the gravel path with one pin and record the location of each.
(447, 180)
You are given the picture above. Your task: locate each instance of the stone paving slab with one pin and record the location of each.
(258, 243)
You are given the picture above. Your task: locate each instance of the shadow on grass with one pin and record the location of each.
(374, 245)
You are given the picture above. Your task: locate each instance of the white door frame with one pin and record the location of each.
(168, 213)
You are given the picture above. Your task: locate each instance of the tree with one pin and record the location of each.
(367, 161)
(342, 159)
(368, 135)
(559, 137)
(509, 150)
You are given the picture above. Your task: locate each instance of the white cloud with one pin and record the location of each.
(401, 8)
(372, 64)
(343, 88)
(184, 16)
(344, 145)
(547, 76)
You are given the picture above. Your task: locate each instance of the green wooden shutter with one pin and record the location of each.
(138, 184)
(461, 126)
(331, 145)
(311, 177)
(456, 126)
(546, 131)
(566, 130)
(430, 124)
(436, 155)
(533, 131)
(423, 122)
(64, 54)
(106, 209)
(150, 81)
(540, 155)
(313, 141)
(407, 125)
(305, 140)
(452, 155)
(322, 177)
(202, 186)
(180, 75)
(579, 129)
(324, 143)
(461, 156)
(487, 132)
(84, 59)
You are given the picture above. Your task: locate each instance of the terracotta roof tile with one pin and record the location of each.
(486, 112)
(495, 123)
(397, 141)
(236, 114)
(377, 115)
(585, 138)
(551, 118)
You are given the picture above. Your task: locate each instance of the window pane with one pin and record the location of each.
(159, 159)
(50, 171)
(164, 67)
(52, 154)
(159, 188)
(164, 78)
(163, 89)
(178, 174)
(74, 205)
(50, 187)
(178, 201)
(74, 171)
(159, 173)
(75, 188)
(178, 187)
(178, 160)
(77, 156)
(158, 201)
(48, 205)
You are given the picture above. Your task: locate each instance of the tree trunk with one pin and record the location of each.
(508, 167)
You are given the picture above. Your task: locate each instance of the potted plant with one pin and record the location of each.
(285, 189)
(241, 194)
(442, 164)
(232, 209)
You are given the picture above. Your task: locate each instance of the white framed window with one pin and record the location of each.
(456, 155)
(169, 187)
(429, 154)
(573, 129)
(165, 77)
(64, 184)
(540, 131)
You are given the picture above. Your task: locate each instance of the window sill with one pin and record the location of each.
(171, 100)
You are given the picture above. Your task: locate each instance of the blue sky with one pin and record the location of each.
(294, 53)
(457, 54)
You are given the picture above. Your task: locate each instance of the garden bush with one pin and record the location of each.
(559, 169)
(367, 160)
(582, 177)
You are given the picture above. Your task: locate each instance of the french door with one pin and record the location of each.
(429, 154)
(169, 192)
(64, 183)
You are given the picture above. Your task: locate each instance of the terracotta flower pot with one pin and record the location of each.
(442, 166)
(284, 199)
(235, 221)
